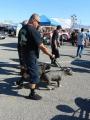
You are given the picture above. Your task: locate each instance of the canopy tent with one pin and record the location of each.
(44, 20)
(54, 23)
(65, 23)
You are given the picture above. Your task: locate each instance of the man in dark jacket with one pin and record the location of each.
(29, 43)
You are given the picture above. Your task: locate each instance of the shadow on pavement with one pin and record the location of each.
(82, 113)
(80, 70)
(8, 71)
(15, 60)
(9, 49)
(71, 56)
(6, 87)
(66, 117)
(81, 63)
(10, 45)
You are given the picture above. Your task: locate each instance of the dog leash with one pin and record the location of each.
(58, 64)
(66, 70)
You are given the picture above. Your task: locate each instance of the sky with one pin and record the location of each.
(18, 10)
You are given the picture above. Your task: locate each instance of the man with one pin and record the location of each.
(55, 43)
(80, 42)
(87, 37)
(74, 37)
(29, 43)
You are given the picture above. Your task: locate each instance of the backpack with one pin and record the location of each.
(22, 44)
(23, 36)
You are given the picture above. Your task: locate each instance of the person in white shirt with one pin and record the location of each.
(80, 42)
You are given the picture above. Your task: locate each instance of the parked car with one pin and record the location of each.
(64, 37)
(46, 38)
(2, 36)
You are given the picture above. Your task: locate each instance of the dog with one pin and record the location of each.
(47, 76)
(50, 76)
(25, 77)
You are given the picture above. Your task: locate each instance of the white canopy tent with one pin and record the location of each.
(65, 23)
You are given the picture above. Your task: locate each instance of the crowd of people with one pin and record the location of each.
(30, 42)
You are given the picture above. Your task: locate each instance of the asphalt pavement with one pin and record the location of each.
(70, 101)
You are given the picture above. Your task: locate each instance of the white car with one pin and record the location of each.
(2, 36)
(64, 36)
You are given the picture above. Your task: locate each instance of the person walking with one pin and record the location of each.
(55, 43)
(29, 43)
(87, 38)
(80, 42)
(74, 38)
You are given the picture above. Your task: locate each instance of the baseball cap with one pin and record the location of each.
(59, 27)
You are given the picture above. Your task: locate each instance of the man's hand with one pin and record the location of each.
(52, 57)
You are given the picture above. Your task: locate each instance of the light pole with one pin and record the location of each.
(73, 21)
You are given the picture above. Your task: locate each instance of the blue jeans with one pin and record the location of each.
(33, 69)
(80, 50)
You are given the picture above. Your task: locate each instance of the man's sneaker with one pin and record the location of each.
(34, 97)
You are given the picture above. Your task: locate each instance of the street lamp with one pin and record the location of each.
(73, 20)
